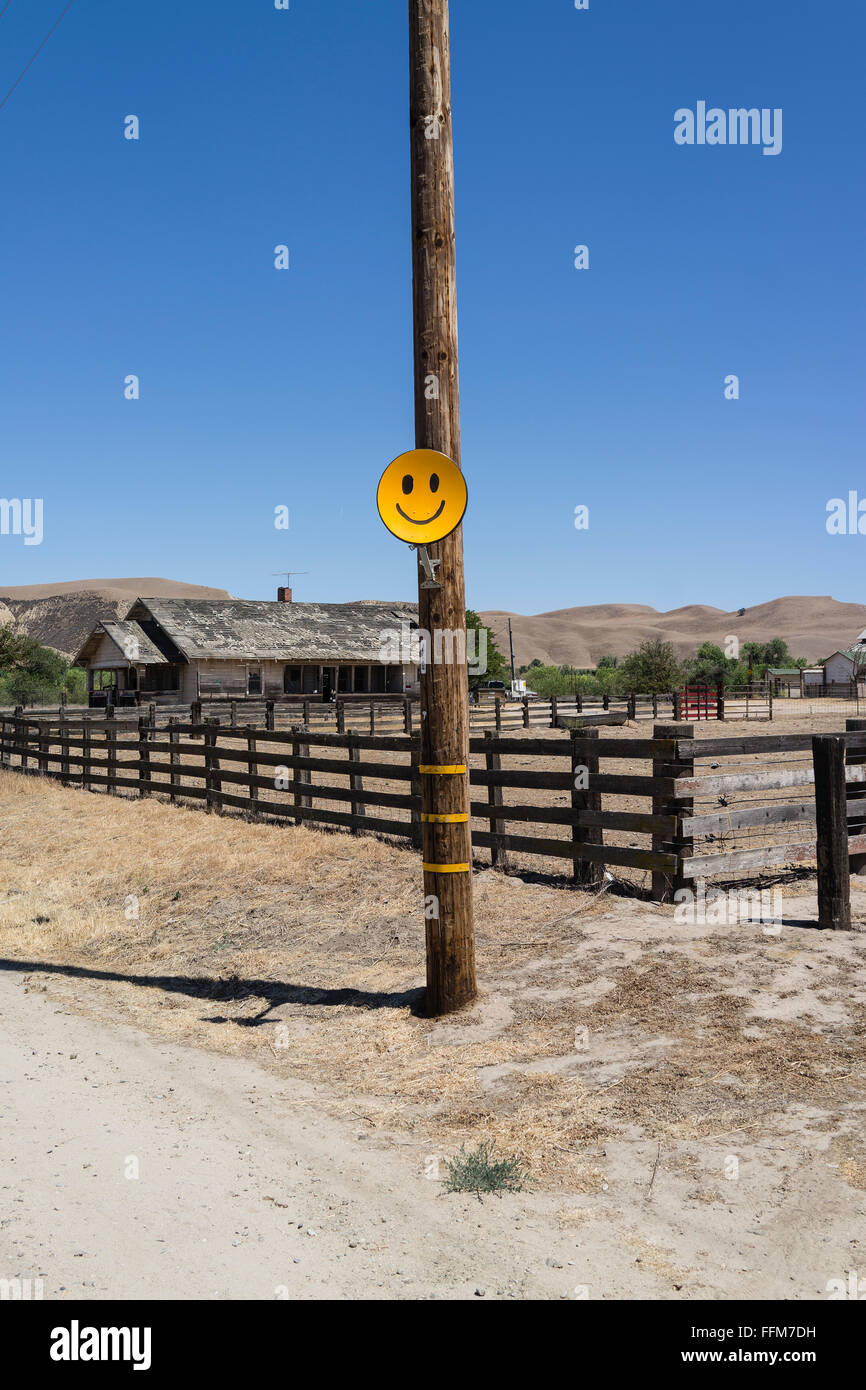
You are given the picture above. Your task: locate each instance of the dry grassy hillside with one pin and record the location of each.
(61, 615)
(812, 626)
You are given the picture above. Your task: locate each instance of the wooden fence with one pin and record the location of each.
(676, 806)
(374, 781)
(388, 714)
(760, 804)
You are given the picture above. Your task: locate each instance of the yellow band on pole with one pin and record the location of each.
(446, 868)
(452, 770)
(431, 819)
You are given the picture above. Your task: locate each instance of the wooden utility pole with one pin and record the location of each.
(444, 766)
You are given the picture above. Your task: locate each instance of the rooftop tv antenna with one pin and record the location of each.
(278, 574)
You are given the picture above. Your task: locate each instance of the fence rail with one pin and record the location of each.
(699, 805)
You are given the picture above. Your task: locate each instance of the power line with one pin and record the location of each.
(36, 54)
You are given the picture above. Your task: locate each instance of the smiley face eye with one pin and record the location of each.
(408, 484)
(434, 482)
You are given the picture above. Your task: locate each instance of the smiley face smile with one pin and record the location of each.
(428, 521)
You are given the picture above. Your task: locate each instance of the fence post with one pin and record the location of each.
(306, 707)
(553, 711)
(720, 700)
(270, 716)
(372, 717)
(110, 753)
(340, 708)
(856, 791)
(493, 761)
(300, 749)
(21, 735)
(770, 700)
(85, 756)
(663, 884)
(213, 781)
(143, 758)
(195, 712)
(356, 781)
(407, 715)
(173, 758)
(526, 711)
(632, 706)
(64, 751)
(578, 701)
(584, 768)
(831, 815)
(497, 715)
(252, 769)
(233, 716)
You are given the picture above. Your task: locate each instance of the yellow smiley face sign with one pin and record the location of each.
(422, 497)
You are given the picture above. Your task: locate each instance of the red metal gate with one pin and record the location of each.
(699, 702)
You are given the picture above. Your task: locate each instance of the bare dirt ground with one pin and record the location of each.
(689, 1100)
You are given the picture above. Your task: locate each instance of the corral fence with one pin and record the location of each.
(391, 713)
(677, 807)
(387, 714)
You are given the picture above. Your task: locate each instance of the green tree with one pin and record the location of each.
(75, 685)
(652, 670)
(760, 655)
(498, 669)
(549, 680)
(30, 673)
(710, 666)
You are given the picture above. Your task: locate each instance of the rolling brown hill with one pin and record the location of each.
(812, 626)
(61, 615)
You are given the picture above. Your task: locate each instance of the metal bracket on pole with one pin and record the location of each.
(429, 566)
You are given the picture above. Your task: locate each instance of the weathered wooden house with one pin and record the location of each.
(176, 650)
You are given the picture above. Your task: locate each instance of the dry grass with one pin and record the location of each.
(305, 951)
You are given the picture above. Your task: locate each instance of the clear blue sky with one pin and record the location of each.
(602, 387)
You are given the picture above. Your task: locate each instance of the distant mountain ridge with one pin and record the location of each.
(812, 627)
(61, 615)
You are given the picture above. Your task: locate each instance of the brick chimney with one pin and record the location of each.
(284, 595)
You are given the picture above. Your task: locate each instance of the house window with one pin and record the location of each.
(291, 680)
(254, 680)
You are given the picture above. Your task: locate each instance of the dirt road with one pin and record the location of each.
(246, 1189)
(243, 1189)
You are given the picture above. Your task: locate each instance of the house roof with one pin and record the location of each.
(244, 629)
(130, 639)
(854, 654)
